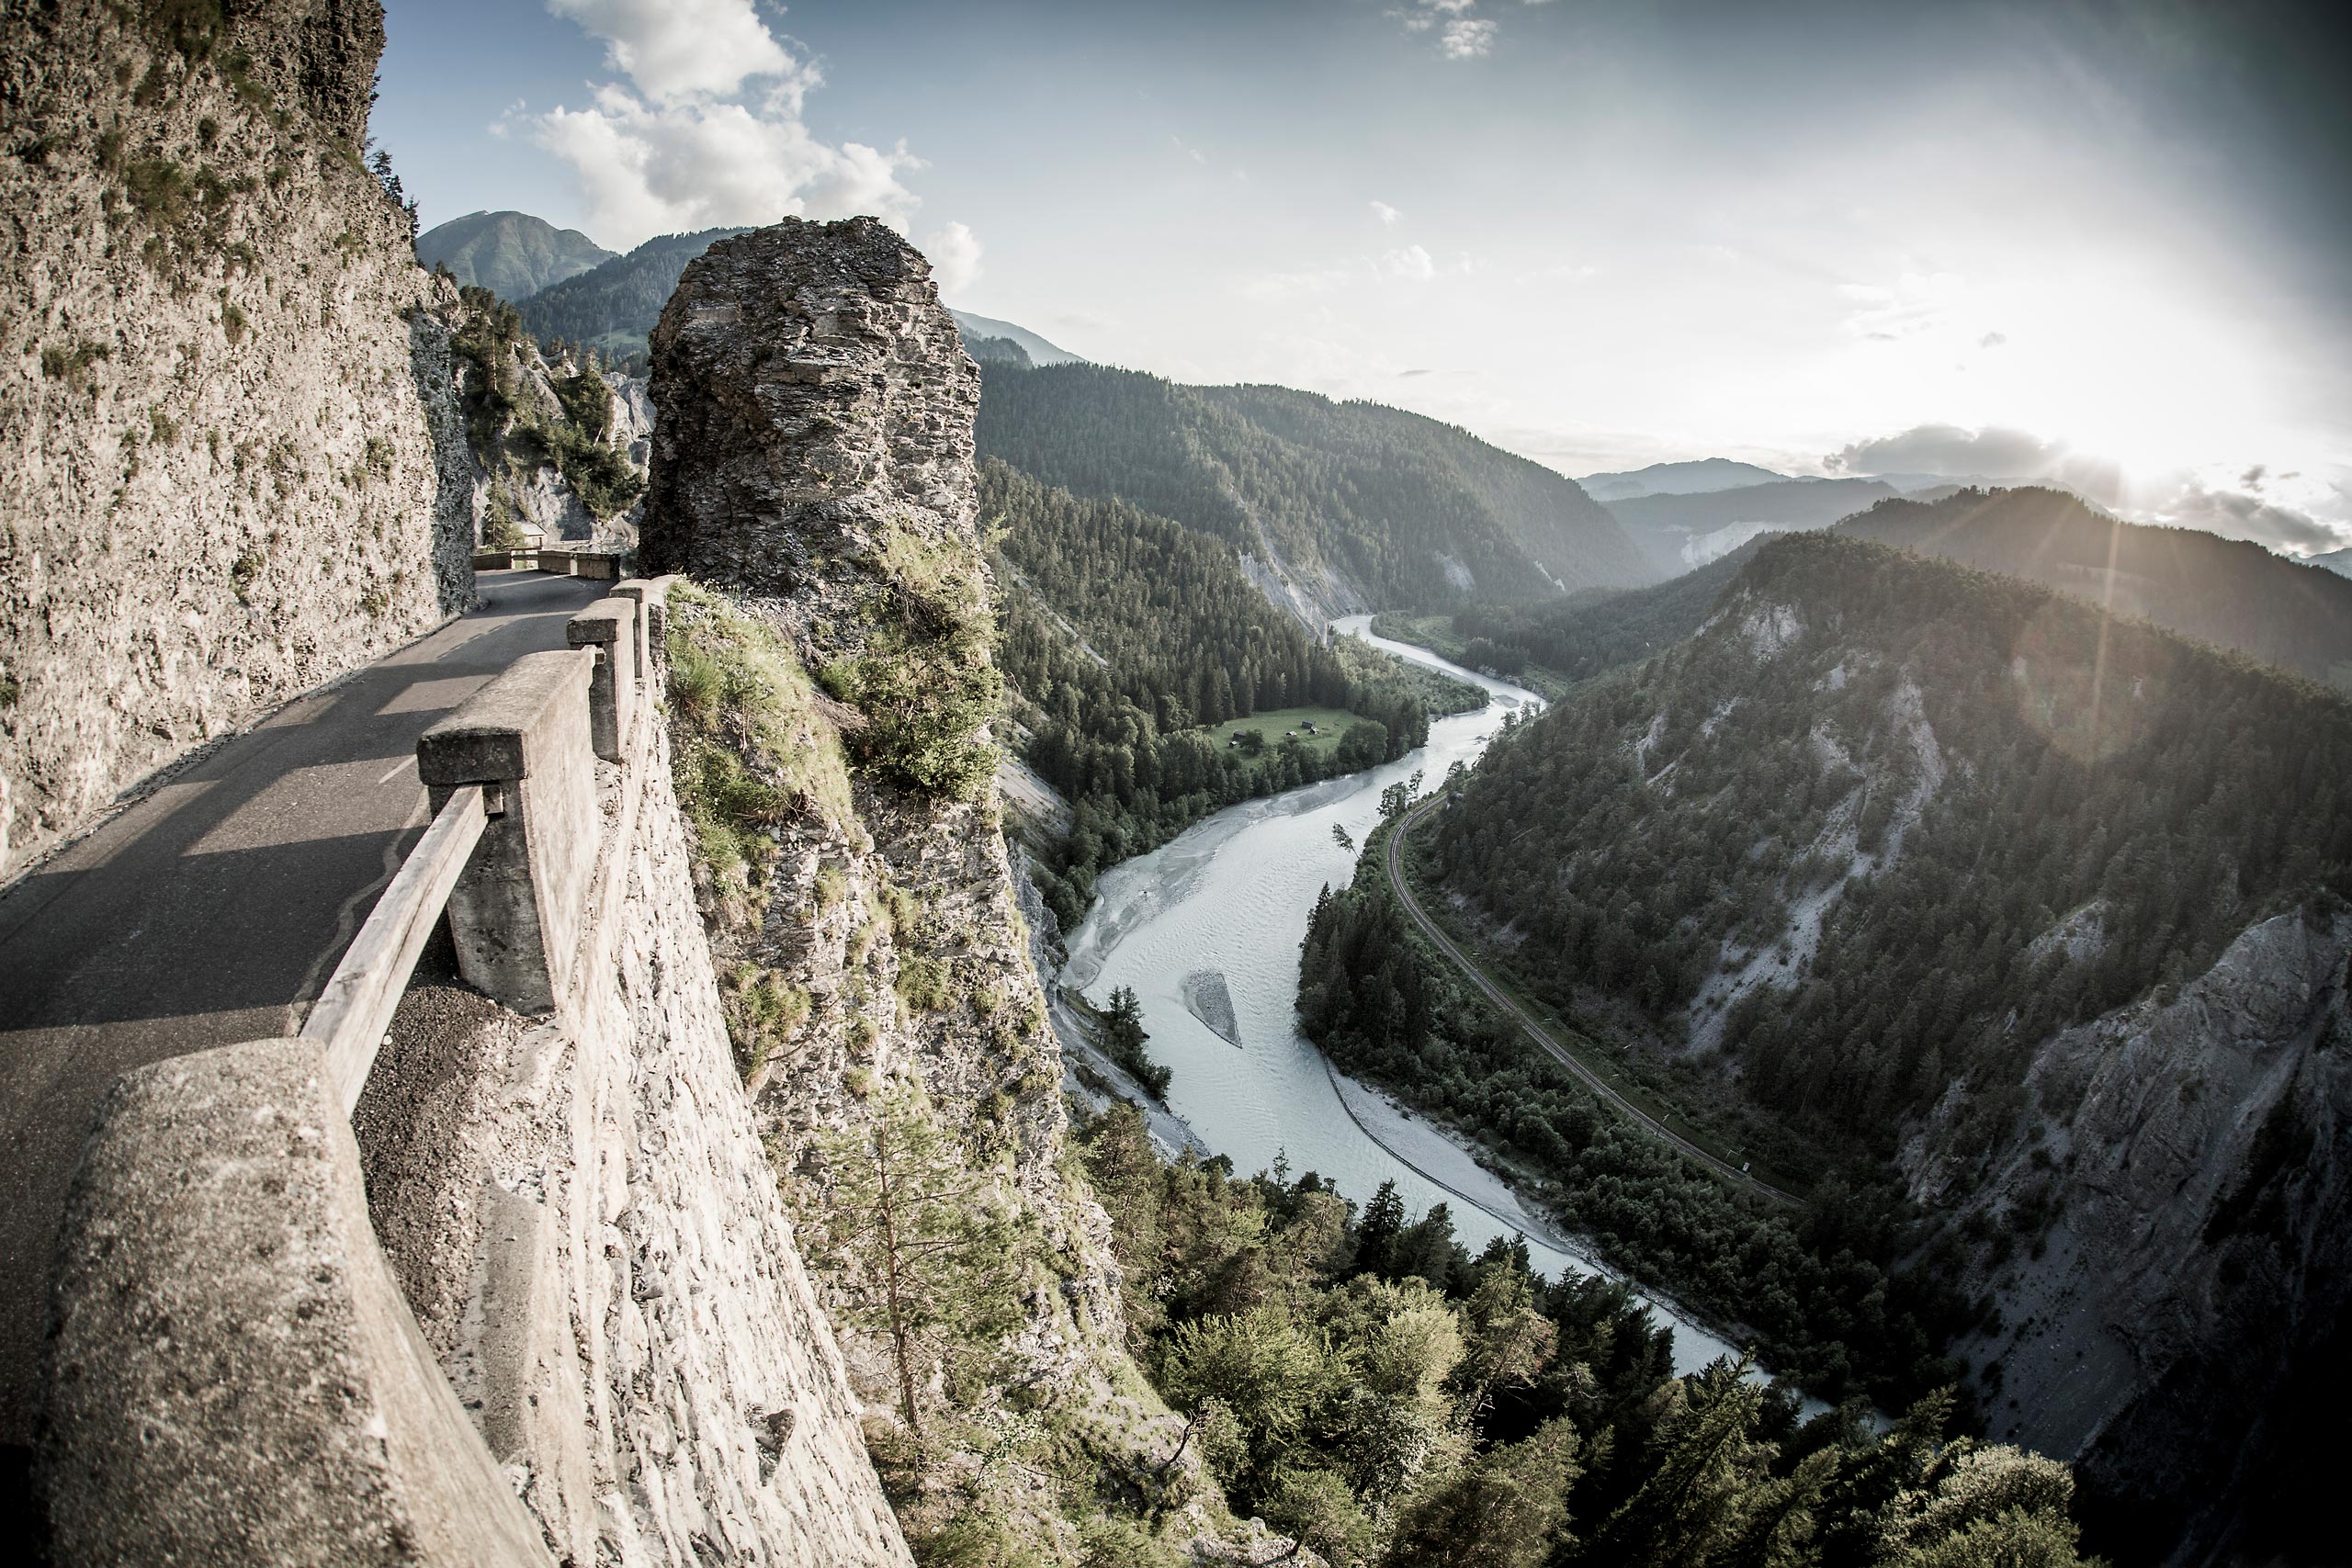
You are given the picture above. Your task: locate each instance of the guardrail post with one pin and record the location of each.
(518, 908)
(651, 596)
(609, 627)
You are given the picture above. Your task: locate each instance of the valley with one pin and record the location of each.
(674, 893)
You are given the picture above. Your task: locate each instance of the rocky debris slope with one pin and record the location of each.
(230, 465)
(831, 691)
(2180, 1172)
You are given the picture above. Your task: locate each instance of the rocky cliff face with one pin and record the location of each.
(220, 399)
(581, 1215)
(812, 467)
(2180, 1173)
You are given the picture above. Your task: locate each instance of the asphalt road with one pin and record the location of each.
(1543, 1036)
(211, 911)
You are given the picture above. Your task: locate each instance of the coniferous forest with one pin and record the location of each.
(1123, 635)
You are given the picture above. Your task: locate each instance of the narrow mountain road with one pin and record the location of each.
(1392, 864)
(211, 911)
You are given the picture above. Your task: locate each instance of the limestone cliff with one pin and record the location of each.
(220, 399)
(833, 690)
(2181, 1169)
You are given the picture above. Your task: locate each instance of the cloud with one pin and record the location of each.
(707, 130)
(675, 49)
(2237, 515)
(954, 255)
(1950, 450)
(2252, 477)
(1385, 213)
(1413, 263)
(1992, 340)
(1460, 36)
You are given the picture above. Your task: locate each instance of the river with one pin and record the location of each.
(1229, 898)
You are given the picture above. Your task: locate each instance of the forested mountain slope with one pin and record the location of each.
(1121, 635)
(1338, 506)
(612, 307)
(513, 255)
(2221, 590)
(2042, 912)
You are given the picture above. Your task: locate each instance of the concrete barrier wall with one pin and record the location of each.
(614, 1355)
(234, 1375)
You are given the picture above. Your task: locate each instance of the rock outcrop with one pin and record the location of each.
(813, 466)
(2176, 1330)
(230, 464)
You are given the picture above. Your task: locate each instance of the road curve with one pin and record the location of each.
(1392, 866)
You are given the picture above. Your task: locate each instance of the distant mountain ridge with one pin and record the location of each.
(513, 255)
(613, 307)
(1696, 477)
(1692, 528)
(2227, 591)
(1038, 349)
(1334, 507)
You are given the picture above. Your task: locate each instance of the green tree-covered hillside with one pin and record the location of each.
(513, 255)
(1124, 635)
(1887, 822)
(1360, 502)
(612, 307)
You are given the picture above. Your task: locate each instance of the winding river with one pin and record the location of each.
(1206, 930)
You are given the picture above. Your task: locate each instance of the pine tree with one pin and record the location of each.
(928, 1241)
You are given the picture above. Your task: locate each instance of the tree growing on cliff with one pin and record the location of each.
(928, 1243)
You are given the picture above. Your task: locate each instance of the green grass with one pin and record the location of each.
(1329, 725)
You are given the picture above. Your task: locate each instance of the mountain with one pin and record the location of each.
(1335, 507)
(1122, 635)
(2220, 591)
(1694, 478)
(1039, 351)
(2333, 561)
(1588, 634)
(612, 307)
(2036, 916)
(1682, 531)
(513, 255)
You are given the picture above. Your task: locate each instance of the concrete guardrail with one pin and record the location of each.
(233, 1373)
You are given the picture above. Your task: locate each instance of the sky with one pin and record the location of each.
(2097, 240)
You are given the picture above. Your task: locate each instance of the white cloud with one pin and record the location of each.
(708, 131)
(1385, 213)
(1467, 38)
(1948, 449)
(675, 49)
(1460, 35)
(955, 254)
(1413, 263)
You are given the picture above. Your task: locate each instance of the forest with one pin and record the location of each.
(1409, 512)
(613, 307)
(1819, 1291)
(1374, 1391)
(1556, 644)
(2016, 813)
(1123, 634)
